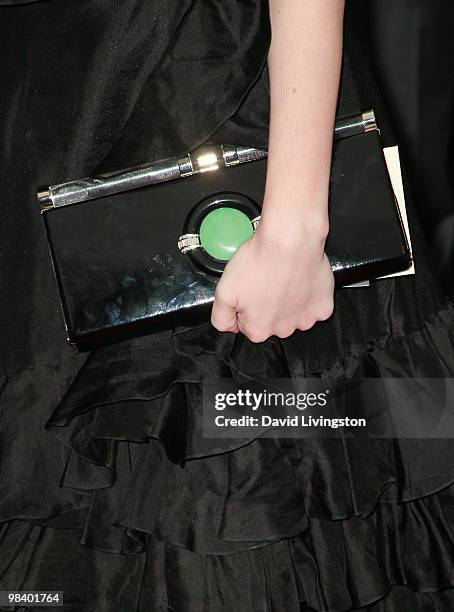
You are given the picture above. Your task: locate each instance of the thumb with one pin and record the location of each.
(223, 316)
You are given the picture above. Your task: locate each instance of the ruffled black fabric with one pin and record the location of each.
(279, 523)
(398, 559)
(109, 490)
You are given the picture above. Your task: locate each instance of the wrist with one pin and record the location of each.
(289, 235)
(294, 225)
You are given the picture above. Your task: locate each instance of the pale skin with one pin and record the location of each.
(280, 280)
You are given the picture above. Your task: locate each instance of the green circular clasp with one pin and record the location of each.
(223, 231)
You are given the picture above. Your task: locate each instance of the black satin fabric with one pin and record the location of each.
(108, 489)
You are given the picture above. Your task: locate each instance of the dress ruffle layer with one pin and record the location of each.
(399, 559)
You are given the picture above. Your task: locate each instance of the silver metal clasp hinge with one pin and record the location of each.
(205, 159)
(189, 242)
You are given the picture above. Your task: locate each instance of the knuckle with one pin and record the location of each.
(258, 338)
(223, 326)
(255, 336)
(306, 324)
(326, 311)
(224, 293)
(220, 295)
(285, 332)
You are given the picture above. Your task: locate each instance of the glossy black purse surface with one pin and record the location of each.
(120, 270)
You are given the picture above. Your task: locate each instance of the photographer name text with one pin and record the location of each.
(299, 420)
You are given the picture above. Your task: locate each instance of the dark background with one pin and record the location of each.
(411, 43)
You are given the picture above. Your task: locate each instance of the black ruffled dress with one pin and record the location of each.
(108, 489)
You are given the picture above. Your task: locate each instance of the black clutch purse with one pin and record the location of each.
(142, 250)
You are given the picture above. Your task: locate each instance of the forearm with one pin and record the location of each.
(304, 67)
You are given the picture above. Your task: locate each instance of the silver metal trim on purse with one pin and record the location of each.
(205, 159)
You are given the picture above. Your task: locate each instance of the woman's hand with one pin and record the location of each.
(279, 281)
